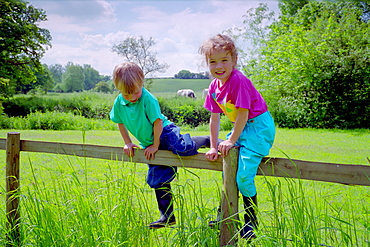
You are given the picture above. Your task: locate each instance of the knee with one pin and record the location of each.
(201, 141)
(246, 185)
(245, 180)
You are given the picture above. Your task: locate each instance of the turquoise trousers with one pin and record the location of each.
(254, 143)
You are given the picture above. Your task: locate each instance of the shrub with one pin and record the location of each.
(55, 121)
(225, 123)
(21, 106)
(184, 111)
(89, 105)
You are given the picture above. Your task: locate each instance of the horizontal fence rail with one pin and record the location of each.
(278, 167)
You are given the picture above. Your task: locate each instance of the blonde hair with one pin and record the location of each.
(128, 77)
(218, 43)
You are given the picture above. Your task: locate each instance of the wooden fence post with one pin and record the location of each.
(12, 188)
(229, 200)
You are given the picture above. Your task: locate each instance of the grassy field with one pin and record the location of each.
(70, 201)
(168, 87)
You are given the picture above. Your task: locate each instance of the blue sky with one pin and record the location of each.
(84, 31)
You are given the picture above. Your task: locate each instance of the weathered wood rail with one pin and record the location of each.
(279, 167)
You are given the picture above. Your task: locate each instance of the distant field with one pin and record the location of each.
(167, 87)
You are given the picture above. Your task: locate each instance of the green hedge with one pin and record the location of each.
(55, 121)
(76, 111)
(184, 111)
(76, 104)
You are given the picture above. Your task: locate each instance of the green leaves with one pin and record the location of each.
(314, 68)
(22, 43)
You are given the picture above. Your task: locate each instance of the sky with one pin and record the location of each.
(84, 32)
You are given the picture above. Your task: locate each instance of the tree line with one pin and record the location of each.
(186, 74)
(76, 78)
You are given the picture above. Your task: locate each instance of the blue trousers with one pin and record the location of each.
(179, 144)
(255, 143)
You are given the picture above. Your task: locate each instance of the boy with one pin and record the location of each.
(137, 111)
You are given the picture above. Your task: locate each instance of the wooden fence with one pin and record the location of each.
(278, 167)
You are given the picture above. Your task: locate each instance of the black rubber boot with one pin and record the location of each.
(165, 206)
(250, 218)
(216, 223)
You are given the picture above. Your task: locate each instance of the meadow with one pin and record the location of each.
(71, 201)
(167, 88)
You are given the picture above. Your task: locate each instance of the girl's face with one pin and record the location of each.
(221, 64)
(134, 96)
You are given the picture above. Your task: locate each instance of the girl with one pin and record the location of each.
(234, 94)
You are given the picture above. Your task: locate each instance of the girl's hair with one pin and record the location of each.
(128, 77)
(219, 42)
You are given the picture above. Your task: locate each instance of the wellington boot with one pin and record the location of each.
(165, 206)
(163, 222)
(250, 218)
(216, 223)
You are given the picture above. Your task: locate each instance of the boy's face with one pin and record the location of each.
(134, 96)
(221, 64)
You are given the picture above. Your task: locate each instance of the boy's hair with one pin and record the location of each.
(128, 77)
(219, 42)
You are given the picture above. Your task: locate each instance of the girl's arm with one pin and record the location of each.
(239, 125)
(157, 131)
(214, 126)
(129, 146)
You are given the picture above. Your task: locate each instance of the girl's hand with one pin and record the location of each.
(212, 154)
(224, 147)
(150, 151)
(128, 149)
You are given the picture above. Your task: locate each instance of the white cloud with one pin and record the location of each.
(76, 16)
(108, 13)
(84, 31)
(99, 41)
(63, 24)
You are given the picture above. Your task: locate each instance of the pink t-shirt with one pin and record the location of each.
(238, 91)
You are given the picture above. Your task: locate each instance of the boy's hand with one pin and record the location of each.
(128, 149)
(150, 151)
(212, 154)
(225, 146)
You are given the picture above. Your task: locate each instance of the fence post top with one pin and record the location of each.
(14, 133)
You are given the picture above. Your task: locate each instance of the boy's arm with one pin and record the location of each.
(129, 146)
(157, 131)
(214, 126)
(239, 125)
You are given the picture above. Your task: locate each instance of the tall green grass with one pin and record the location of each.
(71, 201)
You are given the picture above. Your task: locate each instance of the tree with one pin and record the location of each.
(22, 44)
(104, 78)
(184, 74)
(103, 87)
(313, 66)
(73, 78)
(254, 33)
(138, 50)
(92, 77)
(44, 82)
(56, 71)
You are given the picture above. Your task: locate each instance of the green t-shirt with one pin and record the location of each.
(138, 117)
